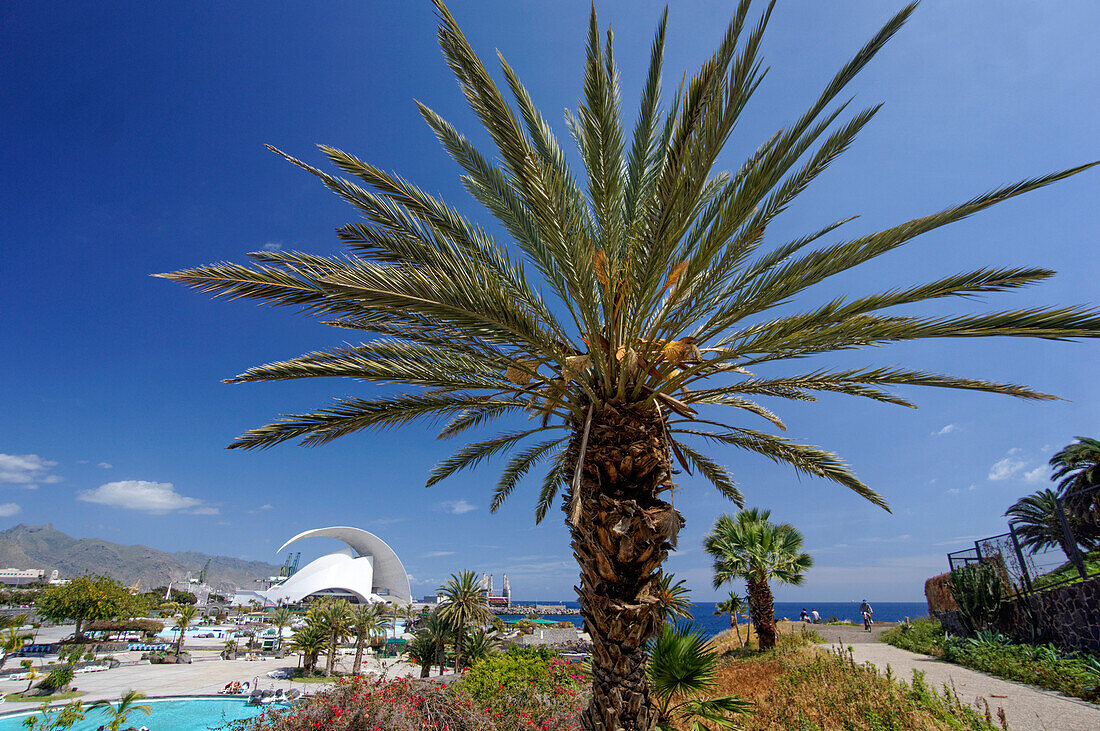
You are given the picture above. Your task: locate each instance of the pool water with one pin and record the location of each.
(183, 714)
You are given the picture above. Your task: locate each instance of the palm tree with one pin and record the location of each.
(1036, 522)
(280, 619)
(422, 649)
(335, 616)
(183, 621)
(464, 604)
(439, 631)
(682, 670)
(1078, 467)
(309, 641)
(12, 641)
(366, 620)
(127, 704)
(477, 647)
(615, 315)
(752, 548)
(733, 606)
(672, 599)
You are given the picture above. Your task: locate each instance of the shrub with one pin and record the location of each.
(924, 635)
(1042, 665)
(518, 681)
(58, 678)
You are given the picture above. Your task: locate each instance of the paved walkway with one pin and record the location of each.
(1027, 707)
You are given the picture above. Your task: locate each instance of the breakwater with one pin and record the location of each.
(539, 609)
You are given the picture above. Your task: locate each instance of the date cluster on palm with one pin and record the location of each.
(621, 537)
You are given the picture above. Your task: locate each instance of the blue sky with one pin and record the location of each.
(133, 141)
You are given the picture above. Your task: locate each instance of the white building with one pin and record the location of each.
(366, 570)
(17, 577)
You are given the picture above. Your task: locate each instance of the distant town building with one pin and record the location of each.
(19, 577)
(503, 599)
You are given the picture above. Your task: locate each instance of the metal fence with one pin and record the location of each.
(1055, 547)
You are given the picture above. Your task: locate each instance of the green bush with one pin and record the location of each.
(518, 674)
(1042, 665)
(58, 679)
(924, 635)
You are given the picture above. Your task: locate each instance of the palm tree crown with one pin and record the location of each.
(1077, 465)
(127, 704)
(464, 604)
(619, 313)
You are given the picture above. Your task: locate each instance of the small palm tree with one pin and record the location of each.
(335, 616)
(1036, 522)
(127, 704)
(733, 606)
(309, 641)
(682, 672)
(618, 313)
(422, 649)
(478, 646)
(464, 604)
(184, 620)
(280, 619)
(439, 631)
(12, 641)
(672, 599)
(366, 620)
(752, 548)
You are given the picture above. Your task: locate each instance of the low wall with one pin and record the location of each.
(1066, 616)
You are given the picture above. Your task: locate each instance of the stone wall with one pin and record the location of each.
(1067, 616)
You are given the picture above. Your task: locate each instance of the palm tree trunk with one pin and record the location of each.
(736, 628)
(331, 656)
(358, 652)
(762, 609)
(621, 536)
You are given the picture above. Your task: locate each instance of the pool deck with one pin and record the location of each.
(206, 675)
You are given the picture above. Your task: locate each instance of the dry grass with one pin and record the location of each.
(799, 686)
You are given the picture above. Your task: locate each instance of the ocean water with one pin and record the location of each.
(712, 624)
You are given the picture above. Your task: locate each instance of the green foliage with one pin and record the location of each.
(55, 719)
(924, 635)
(518, 674)
(120, 712)
(682, 673)
(751, 546)
(977, 590)
(673, 600)
(85, 598)
(58, 678)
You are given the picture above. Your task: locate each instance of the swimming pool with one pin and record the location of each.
(169, 714)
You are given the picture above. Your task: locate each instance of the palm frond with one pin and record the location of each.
(516, 469)
(472, 454)
(715, 473)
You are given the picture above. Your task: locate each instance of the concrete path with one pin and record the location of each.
(1027, 707)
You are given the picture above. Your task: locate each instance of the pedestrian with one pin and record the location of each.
(805, 615)
(866, 611)
(815, 617)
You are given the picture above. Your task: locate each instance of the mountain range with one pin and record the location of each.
(41, 547)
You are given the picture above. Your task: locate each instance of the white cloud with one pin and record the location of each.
(891, 539)
(157, 498)
(1039, 474)
(1005, 468)
(456, 507)
(9, 509)
(437, 554)
(954, 491)
(273, 246)
(946, 430)
(104, 465)
(972, 488)
(26, 470)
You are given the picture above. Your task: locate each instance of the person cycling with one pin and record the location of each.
(866, 611)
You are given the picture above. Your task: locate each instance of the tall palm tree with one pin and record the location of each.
(616, 314)
(280, 619)
(127, 704)
(335, 616)
(752, 548)
(184, 620)
(682, 671)
(366, 620)
(672, 599)
(464, 604)
(1078, 467)
(12, 641)
(733, 606)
